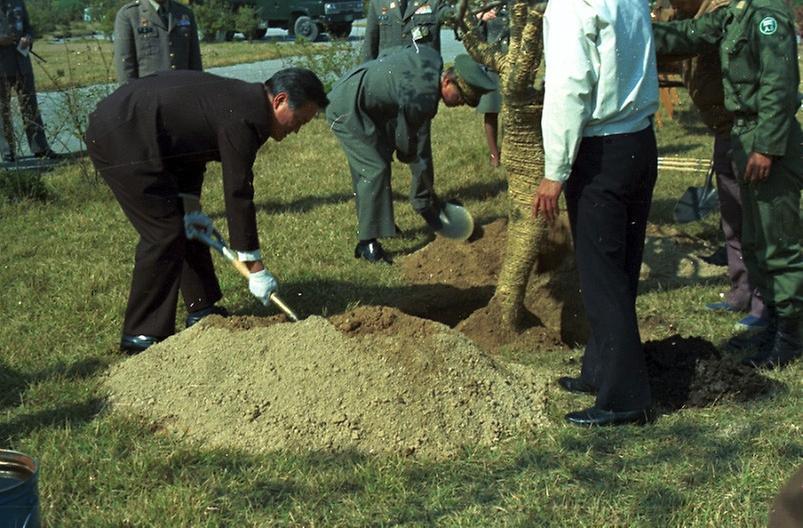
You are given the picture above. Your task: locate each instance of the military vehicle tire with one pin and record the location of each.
(340, 31)
(259, 33)
(305, 27)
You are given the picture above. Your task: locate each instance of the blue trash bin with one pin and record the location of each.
(19, 498)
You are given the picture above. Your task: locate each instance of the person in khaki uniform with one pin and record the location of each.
(16, 73)
(758, 54)
(393, 23)
(382, 107)
(153, 36)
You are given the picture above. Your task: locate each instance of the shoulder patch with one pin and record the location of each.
(768, 25)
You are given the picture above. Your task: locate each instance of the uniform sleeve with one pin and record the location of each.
(125, 50)
(370, 46)
(413, 115)
(570, 80)
(195, 46)
(238, 146)
(775, 39)
(686, 37)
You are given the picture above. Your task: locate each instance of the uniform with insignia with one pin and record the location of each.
(382, 107)
(148, 41)
(16, 72)
(392, 23)
(758, 53)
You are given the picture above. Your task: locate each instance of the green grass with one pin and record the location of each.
(84, 62)
(65, 257)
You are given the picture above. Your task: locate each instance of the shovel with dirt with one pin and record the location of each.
(697, 202)
(216, 242)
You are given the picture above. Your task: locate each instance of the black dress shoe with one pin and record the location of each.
(432, 217)
(786, 346)
(371, 250)
(47, 154)
(134, 344)
(197, 315)
(576, 385)
(594, 416)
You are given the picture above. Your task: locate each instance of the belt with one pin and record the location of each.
(742, 121)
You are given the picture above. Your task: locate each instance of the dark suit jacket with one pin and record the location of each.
(173, 123)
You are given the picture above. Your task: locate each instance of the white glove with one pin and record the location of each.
(196, 223)
(262, 284)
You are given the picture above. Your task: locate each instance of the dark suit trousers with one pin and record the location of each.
(608, 197)
(165, 261)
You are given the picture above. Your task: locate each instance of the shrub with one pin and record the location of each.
(213, 17)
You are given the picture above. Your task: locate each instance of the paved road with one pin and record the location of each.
(61, 126)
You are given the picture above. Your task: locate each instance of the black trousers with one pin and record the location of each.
(608, 197)
(165, 261)
(23, 84)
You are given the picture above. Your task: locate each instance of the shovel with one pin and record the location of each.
(216, 242)
(697, 202)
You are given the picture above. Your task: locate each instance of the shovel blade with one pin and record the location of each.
(695, 204)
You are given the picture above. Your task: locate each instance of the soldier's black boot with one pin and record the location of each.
(432, 216)
(371, 250)
(786, 346)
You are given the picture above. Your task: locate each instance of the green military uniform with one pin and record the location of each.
(147, 42)
(382, 106)
(758, 53)
(420, 24)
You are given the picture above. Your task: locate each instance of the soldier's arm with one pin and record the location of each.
(370, 46)
(125, 49)
(686, 37)
(413, 115)
(195, 46)
(777, 87)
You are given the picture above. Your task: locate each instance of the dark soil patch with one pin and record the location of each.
(691, 372)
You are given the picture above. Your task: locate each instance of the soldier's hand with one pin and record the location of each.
(757, 168)
(25, 42)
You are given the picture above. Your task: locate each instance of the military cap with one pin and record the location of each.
(472, 81)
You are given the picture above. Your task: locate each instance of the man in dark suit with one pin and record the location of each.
(16, 73)
(151, 140)
(152, 36)
(384, 106)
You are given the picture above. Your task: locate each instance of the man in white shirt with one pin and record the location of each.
(601, 92)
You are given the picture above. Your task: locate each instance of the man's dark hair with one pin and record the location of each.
(300, 85)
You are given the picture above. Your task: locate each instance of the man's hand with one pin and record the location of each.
(262, 284)
(757, 168)
(25, 42)
(545, 201)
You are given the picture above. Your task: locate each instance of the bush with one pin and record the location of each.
(213, 17)
(329, 63)
(246, 21)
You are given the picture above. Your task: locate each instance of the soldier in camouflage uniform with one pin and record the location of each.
(152, 36)
(758, 53)
(392, 23)
(16, 72)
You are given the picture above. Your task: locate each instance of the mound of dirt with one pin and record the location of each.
(374, 380)
(691, 372)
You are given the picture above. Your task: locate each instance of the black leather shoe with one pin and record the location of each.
(197, 315)
(432, 216)
(371, 250)
(576, 385)
(786, 346)
(134, 344)
(47, 154)
(598, 417)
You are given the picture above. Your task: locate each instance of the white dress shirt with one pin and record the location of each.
(601, 77)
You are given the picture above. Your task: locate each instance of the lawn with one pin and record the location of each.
(65, 258)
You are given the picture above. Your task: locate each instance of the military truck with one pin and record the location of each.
(306, 18)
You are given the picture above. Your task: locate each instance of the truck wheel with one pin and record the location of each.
(259, 33)
(305, 27)
(340, 31)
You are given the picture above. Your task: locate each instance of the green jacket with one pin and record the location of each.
(386, 26)
(143, 44)
(388, 100)
(758, 52)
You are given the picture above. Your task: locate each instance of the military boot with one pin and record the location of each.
(786, 346)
